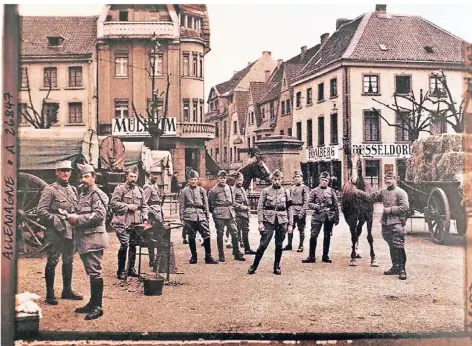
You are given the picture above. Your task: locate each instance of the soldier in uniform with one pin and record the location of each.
(156, 217)
(221, 203)
(194, 214)
(300, 194)
(324, 204)
(92, 237)
(274, 213)
(241, 206)
(129, 207)
(56, 201)
(396, 205)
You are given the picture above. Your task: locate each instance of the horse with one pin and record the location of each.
(356, 209)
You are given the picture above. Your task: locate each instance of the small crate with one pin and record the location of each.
(26, 325)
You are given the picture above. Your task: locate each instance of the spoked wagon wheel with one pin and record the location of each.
(29, 226)
(438, 215)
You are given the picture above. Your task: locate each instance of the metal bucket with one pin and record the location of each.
(153, 287)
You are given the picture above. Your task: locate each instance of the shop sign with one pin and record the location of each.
(382, 150)
(326, 153)
(138, 127)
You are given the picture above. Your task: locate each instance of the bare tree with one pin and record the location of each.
(48, 114)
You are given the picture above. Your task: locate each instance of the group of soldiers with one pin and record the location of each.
(76, 222)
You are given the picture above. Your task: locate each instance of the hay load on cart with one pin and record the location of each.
(435, 180)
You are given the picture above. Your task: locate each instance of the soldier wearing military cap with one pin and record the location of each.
(241, 206)
(92, 237)
(396, 206)
(300, 194)
(274, 213)
(325, 213)
(194, 214)
(55, 202)
(221, 203)
(128, 207)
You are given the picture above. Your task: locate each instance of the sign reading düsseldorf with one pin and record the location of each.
(139, 127)
(322, 153)
(384, 150)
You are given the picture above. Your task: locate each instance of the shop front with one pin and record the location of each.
(320, 159)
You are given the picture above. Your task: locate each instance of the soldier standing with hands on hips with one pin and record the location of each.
(194, 214)
(57, 200)
(324, 203)
(241, 206)
(92, 237)
(274, 213)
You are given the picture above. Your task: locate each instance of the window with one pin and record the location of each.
(371, 84)
(121, 64)
(401, 134)
(289, 131)
(254, 141)
(282, 107)
(194, 64)
(211, 152)
(50, 77)
(249, 142)
(428, 49)
(371, 127)
(469, 84)
(201, 66)
(299, 130)
(55, 41)
(288, 106)
(235, 127)
(225, 129)
(22, 109)
(309, 96)
(186, 110)
(195, 111)
(230, 155)
(320, 92)
(281, 132)
(272, 112)
(436, 88)
(123, 16)
(309, 133)
(158, 65)
(298, 100)
(182, 19)
(334, 128)
(321, 139)
(158, 110)
(225, 154)
(438, 127)
(186, 67)
(402, 84)
(50, 111)
(263, 112)
(121, 109)
(372, 172)
(252, 117)
(75, 76)
(333, 87)
(217, 130)
(75, 112)
(217, 154)
(201, 111)
(24, 78)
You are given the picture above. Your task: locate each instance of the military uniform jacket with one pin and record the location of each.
(54, 197)
(275, 204)
(397, 200)
(221, 202)
(240, 201)
(300, 196)
(324, 204)
(193, 204)
(90, 228)
(153, 200)
(124, 195)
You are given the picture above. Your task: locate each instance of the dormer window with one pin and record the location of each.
(428, 49)
(123, 16)
(383, 47)
(55, 41)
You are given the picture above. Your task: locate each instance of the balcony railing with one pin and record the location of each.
(139, 29)
(196, 130)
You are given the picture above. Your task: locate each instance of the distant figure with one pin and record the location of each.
(174, 183)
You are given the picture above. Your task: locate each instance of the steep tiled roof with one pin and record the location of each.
(291, 70)
(80, 34)
(257, 90)
(299, 59)
(405, 38)
(234, 81)
(241, 98)
(275, 83)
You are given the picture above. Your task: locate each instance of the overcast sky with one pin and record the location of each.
(239, 33)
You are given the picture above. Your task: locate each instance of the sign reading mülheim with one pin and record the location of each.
(382, 150)
(135, 127)
(327, 153)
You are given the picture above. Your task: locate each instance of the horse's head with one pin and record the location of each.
(257, 168)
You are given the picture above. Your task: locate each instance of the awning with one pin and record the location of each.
(211, 165)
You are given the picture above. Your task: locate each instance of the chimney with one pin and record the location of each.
(267, 75)
(279, 62)
(266, 52)
(234, 72)
(341, 21)
(249, 63)
(324, 37)
(303, 52)
(381, 9)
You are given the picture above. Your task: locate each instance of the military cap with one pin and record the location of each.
(276, 174)
(297, 172)
(389, 174)
(239, 175)
(66, 164)
(193, 174)
(132, 169)
(222, 174)
(84, 169)
(324, 175)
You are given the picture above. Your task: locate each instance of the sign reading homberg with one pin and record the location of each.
(327, 153)
(135, 127)
(382, 150)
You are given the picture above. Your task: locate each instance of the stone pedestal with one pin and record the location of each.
(281, 152)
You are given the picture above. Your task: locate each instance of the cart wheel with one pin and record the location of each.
(461, 223)
(439, 215)
(29, 226)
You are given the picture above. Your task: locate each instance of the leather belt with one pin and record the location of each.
(275, 208)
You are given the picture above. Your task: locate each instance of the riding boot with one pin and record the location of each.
(89, 306)
(247, 247)
(208, 258)
(238, 256)
(184, 236)
(395, 265)
(193, 250)
(289, 244)
(49, 274)
(402, 261)
(97, 293)
(326, 242)
(122, 254)
(132, 261)
(67, 292)
(302, 239)
(221, 249)
(259, 253)
(311, 255)
(278, 256)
